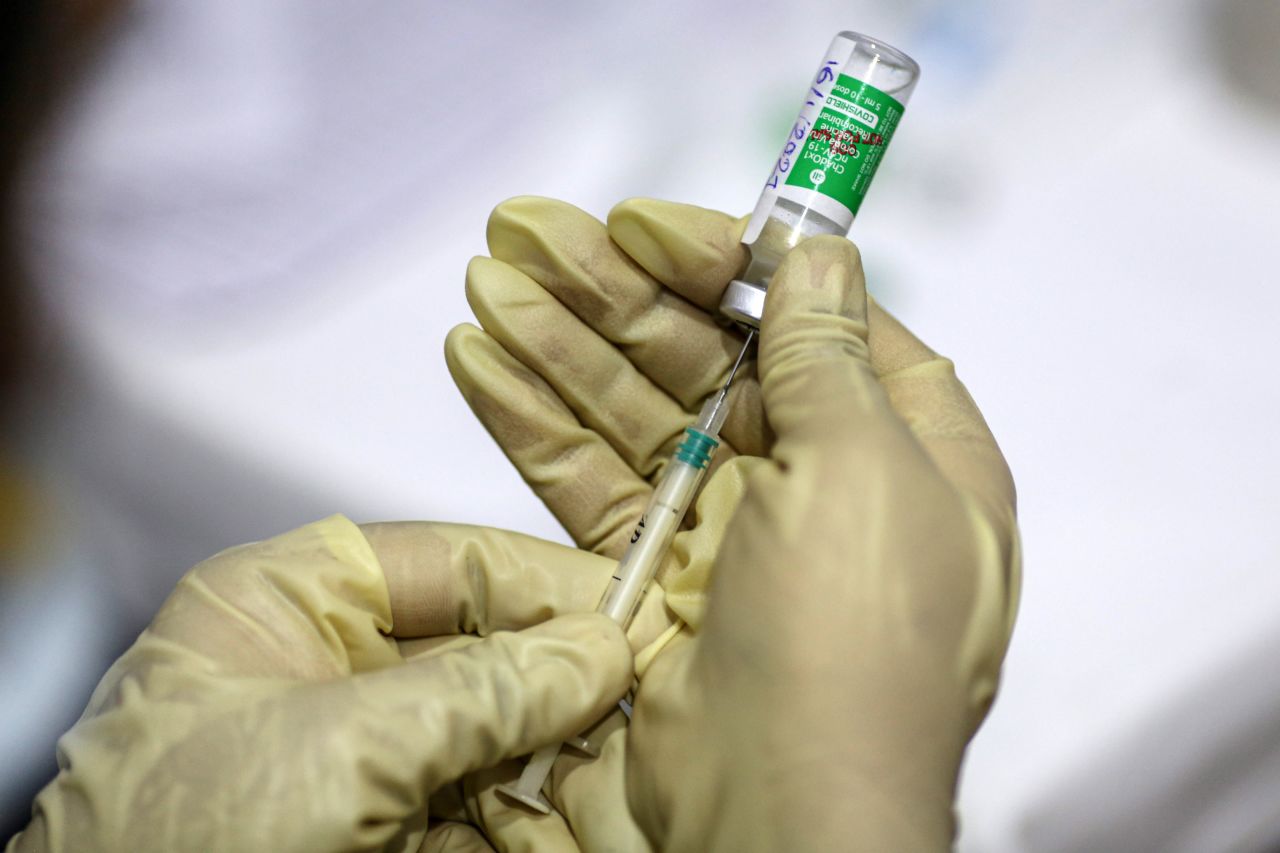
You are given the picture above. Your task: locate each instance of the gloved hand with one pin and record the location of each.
(269, 705)
(589, 369)
(865, 588)
(587, 373)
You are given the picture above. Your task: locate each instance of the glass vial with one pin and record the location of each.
(849, 116)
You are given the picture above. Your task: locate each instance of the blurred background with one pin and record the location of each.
(244, 226)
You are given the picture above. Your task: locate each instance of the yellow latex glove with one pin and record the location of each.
(587, 373)
(270, 706)
(865, 588)
(589, 369)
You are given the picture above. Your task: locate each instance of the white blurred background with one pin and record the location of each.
(250, 222)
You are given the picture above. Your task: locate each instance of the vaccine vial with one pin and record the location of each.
(849, 115)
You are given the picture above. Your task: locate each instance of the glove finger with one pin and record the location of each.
(820, 390)
(592, 377)
(695, 252)
(924, 389)
(691, 250)
(307, 604)
(581, 479)
(410, 729)
(568, 252)
(446, 579)
(452, 837)
(652, 620)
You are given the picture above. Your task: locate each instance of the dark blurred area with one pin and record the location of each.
(44, 46)
(29, 38)
(35, 42)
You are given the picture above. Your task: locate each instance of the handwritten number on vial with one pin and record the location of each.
(798, 131)
(825, 75)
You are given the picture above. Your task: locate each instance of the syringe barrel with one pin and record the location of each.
(649, 544)
(658, 526)
(817, 184)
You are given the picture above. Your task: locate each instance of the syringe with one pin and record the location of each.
(817, 183)
(645, 553)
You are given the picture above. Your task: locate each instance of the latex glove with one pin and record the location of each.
(587, 378)
(867, 587)
(269, 706)
(589, 369)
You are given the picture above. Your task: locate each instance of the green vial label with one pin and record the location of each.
(847, 142)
